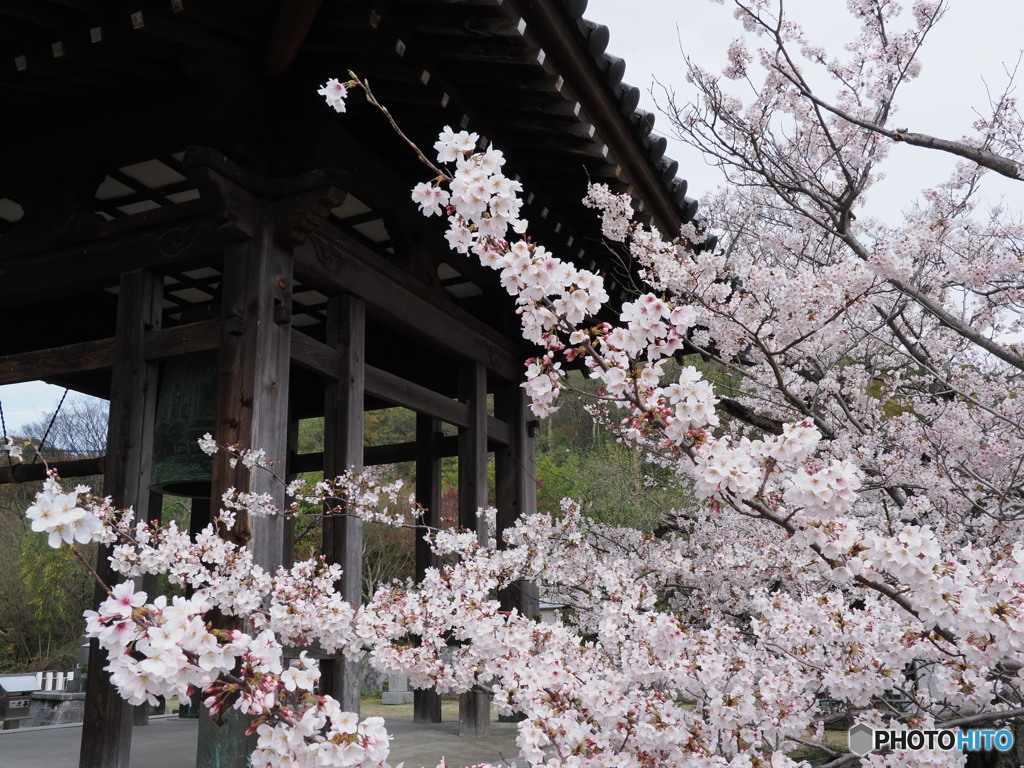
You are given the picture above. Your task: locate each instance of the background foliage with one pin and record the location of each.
(43, 591)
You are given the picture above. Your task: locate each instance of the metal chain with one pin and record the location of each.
(46, 434)
(3, 425)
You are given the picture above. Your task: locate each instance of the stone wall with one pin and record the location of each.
(55, 708)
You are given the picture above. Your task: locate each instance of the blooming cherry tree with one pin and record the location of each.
(856, 551)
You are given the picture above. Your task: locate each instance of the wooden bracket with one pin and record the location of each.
(230, 189)
(302, 204)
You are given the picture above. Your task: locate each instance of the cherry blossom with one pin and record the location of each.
(334, 94)
(839, 396)
(12, 448)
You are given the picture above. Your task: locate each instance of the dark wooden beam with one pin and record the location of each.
(230, 189)
(294, 18)
(406, 394)
(165, 239)
(559, 149)
(180, 32)
(474, 53)
(547, 25)
(27, 473)
(462, 26)
(420, 54)
(303, 211)
(374, 455)
(79, 52)
(114, 139)
(46, 67)
(334, 262)
(321, 359)
(245, 21)
(99, 355)
(188, 339)
(315, 356)
(34, 13)
(68, 359)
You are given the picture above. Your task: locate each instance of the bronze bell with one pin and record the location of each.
(186, 409)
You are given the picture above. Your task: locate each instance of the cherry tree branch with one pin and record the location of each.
(939, 312)
(982, 717)
(986, 158)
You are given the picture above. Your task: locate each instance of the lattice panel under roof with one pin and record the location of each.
(11, 213)
(184, 291)
(187, 293)
(195, 288)
(455, 284)
(309, 307)
(363, 223)
(198, 287)
(143, 186)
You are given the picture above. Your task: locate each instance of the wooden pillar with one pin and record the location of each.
(252, 376)
(252, 412)
(427, 703)
(515, 474)
(473, 448)
(107, 729)
(474, 708)
(343, 449)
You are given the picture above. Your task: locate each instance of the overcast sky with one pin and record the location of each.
(967, 49)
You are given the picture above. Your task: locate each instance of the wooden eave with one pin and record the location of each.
(97, 89)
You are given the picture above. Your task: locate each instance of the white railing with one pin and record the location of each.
(54, 681)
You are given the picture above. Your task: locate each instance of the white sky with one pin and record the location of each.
(28, 402)
(967, 49)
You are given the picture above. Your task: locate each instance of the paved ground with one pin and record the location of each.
(170, 742)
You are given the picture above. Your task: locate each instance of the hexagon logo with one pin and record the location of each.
(862, 738)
